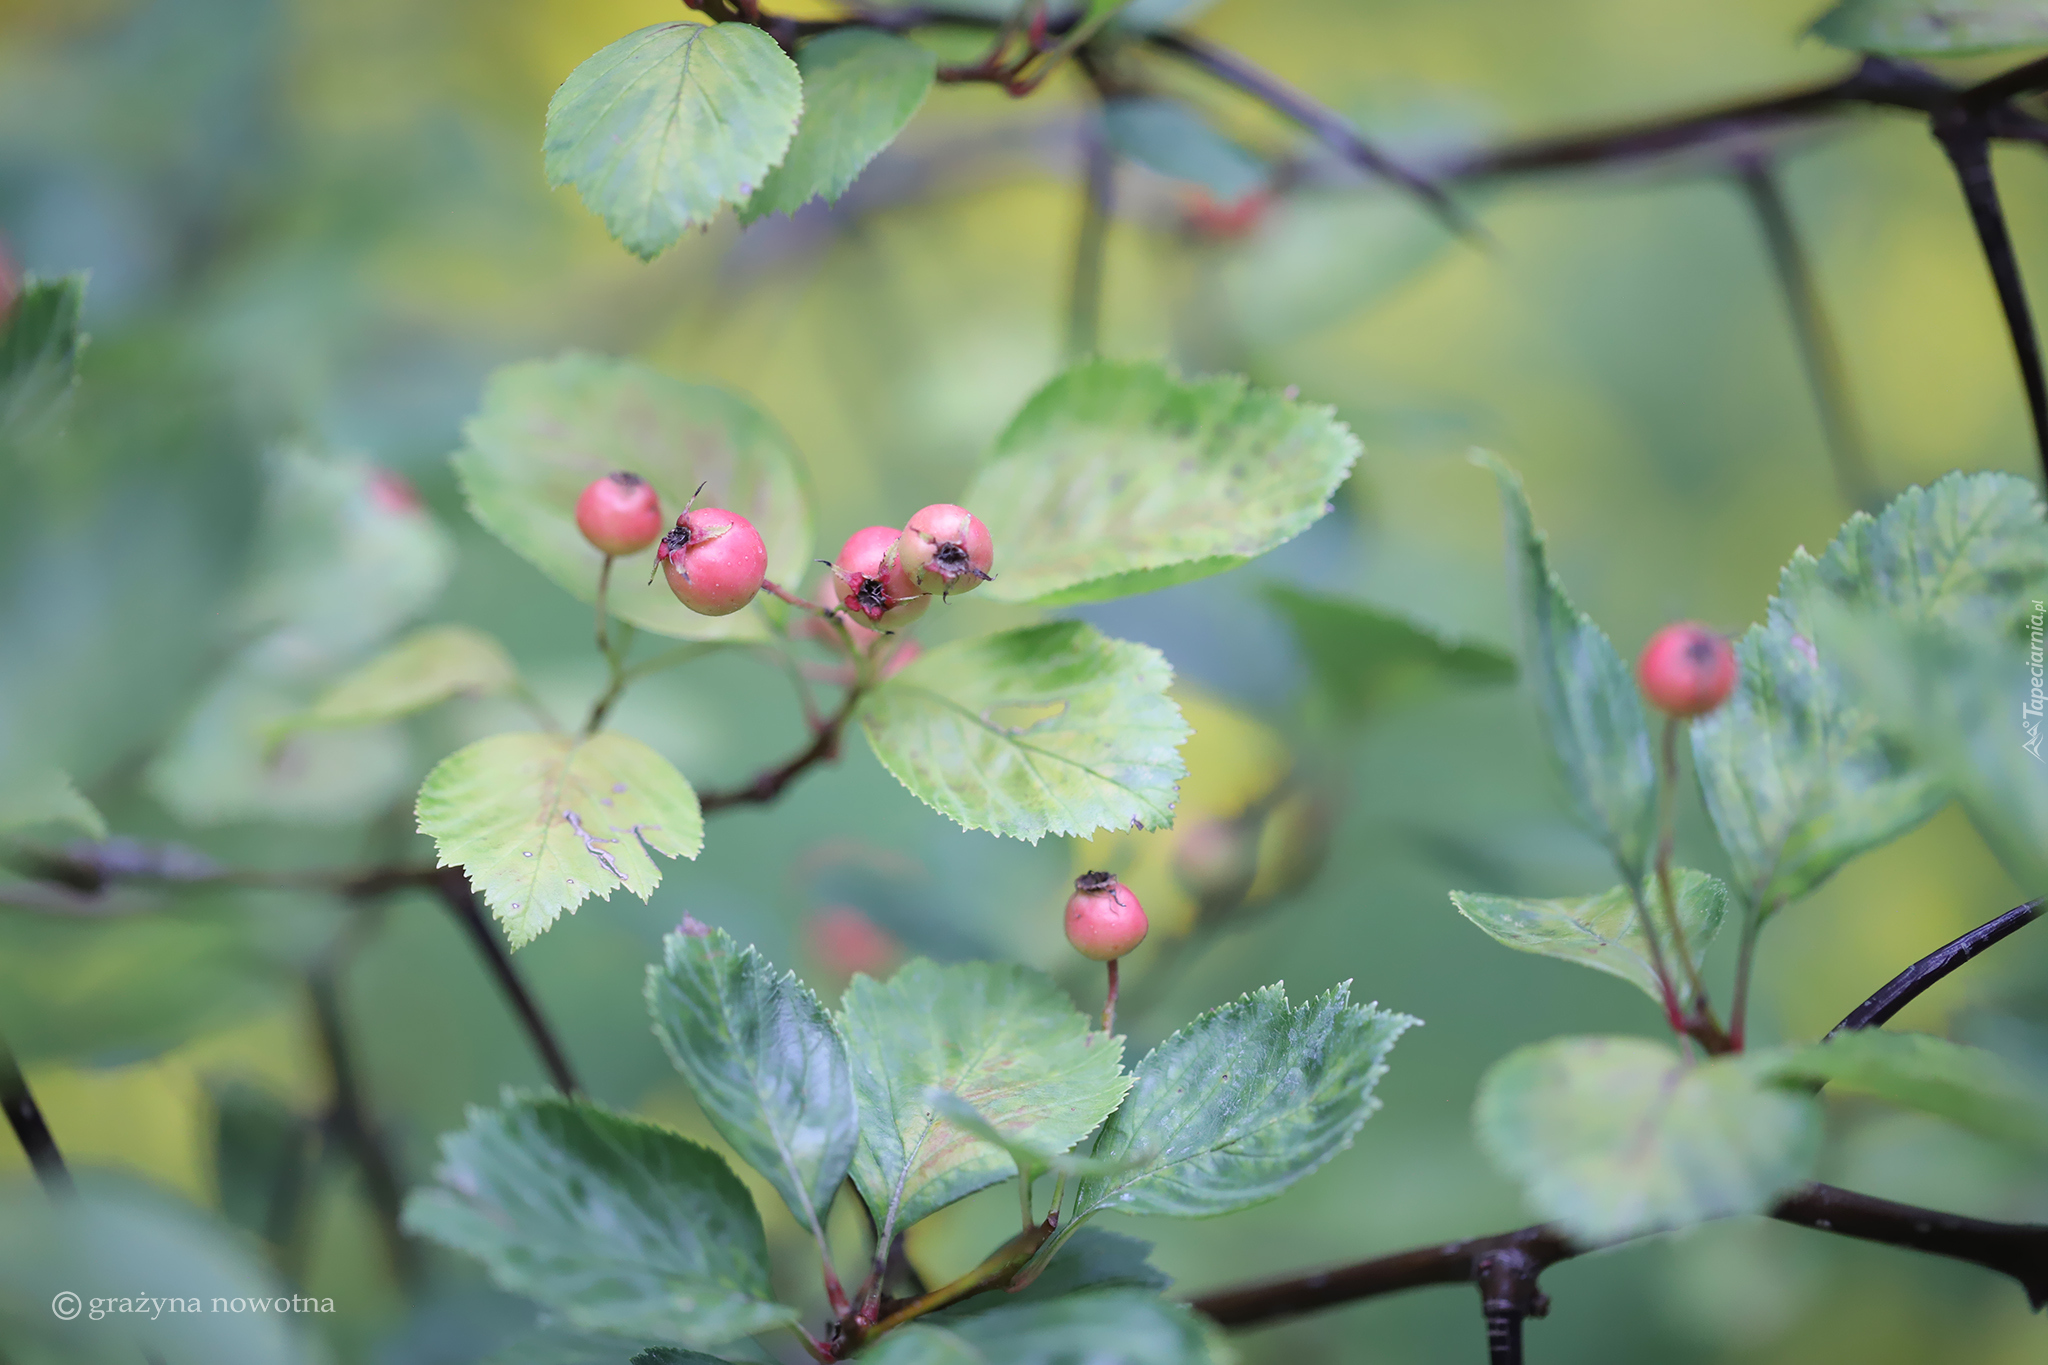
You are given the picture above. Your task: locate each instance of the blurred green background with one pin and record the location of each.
(321, 225)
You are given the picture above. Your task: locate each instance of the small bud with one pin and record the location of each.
(945, 549)
(620, 514)
(714, 561)
(1687, 669)
(1104, 920)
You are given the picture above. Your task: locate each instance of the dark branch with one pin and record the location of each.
(1907, 986)
(1818, 351)
(823, 748)
(2018, 81)
(453, 886)
(1330, 128)
(1964, 137)
(350, 1126)
(30, 1129)
(1506, 1266)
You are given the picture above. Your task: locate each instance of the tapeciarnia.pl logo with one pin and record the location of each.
(2030, 713)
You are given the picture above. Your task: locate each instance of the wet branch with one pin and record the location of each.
(1506, 1266)
(823, 748)
(30, 1128)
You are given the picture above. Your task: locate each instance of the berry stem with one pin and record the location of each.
(604, 585)
(1024, 1196)
(769, 585)
(1109, 1002)
(1672, 1014)
(614, 652)
(1745, 961)
(1667, 802)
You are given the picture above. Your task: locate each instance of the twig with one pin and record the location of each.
(1818, 352)
(1907, 986)
(1329, 127)
(2018, 1250)
(1964, 137)
(765, 788)
(1084, 295)
(350, 1125)
(30, 1128)
(453, 886)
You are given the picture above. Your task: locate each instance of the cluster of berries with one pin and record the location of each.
(715, 562)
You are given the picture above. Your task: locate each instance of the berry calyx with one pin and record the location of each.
(872, 583)
(1687, 669)
(714, 561)
(620, 514)
(945, 549)
(1104, 920)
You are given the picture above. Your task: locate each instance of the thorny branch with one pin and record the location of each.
(1506, 1266)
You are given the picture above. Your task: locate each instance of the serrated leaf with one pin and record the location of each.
(541, 821)
(666, 126)
(1366, 660)
(1612, 1138)
(47, 796)
(39, 347)
(1604, 932)
(1934, 28)
(1166, 136)
(1968, 1086)
(1797, 776)
(861, 87)
(765, 1062)
(1243, 1102)
(1005, 1039)
(1048, 729)
(424, 669)
(1124, 1326)
(1585, 694)
(616, 1224)
(1120, 477)
(1033, 1159)
(546, 428)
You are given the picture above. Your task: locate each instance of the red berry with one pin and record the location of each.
(1104, 920)
(872, 583)
(619, 514)
(1687, 669)
(714, 561)
(391, 493)
(945, 549)
(847, 942)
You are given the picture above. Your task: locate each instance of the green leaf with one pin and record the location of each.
(1033, 1159)
(1120, 477)
(618, 1225)
(1092, 1259)
(1243, 1102)
(424, 669)
(1005, 1039)
(546, 428)
(47, 796)
(670, 1355)
(1969, 1086)
(1097, 1327)
(1048, 729)
(541, 821)
(1612, 1138)
(764, 1060)
(1366, 660)
(1604, 931)
(1167, 136)
(1585, 694)
(668, 125)
(262, 1156)
(861, 87)
(1798, 777)
(39, 347)
(1147, 16)
(1317, 257)
(1934, 28)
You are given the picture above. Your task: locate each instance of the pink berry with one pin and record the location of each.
(1687, 669)
(714, 561)
(619, 514)
(1104, 920)
(872, 583)
(945, 549)
(393, 494)
(847, 942)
